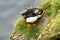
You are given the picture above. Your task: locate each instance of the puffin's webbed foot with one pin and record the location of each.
(34, 24)
(28, 25)
(31, 24)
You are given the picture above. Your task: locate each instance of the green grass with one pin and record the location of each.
(52, 10)
(21, 27)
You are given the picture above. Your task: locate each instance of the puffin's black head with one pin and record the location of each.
(32, 12)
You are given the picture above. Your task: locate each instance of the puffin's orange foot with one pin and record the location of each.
(28, 25)
(33, 24)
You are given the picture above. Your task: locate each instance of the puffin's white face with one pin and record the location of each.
(37, 11)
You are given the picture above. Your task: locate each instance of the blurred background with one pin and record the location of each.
(9, 12)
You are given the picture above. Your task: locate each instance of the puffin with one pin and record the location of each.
(32, 15)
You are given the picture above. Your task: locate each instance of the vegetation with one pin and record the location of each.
(22, 27)
(51, 31)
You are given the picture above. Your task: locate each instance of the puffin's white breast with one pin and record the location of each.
(32, 19)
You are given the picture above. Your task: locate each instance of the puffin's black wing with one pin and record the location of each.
(27, 11)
